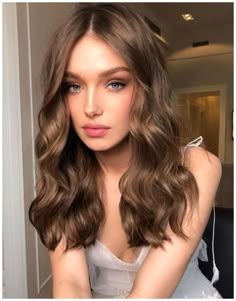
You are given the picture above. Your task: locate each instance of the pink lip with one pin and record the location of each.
(95, 126)
(95, 130)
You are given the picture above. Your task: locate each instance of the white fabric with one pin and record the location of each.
(111, 277)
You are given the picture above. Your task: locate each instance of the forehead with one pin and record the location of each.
(91, 52)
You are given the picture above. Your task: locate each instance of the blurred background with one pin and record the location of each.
(198, 41)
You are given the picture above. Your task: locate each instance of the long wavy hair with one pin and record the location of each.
(157, 189)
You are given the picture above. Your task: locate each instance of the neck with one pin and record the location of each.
(115, 161)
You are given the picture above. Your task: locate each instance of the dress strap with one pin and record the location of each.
(196, 142)
(216, 273)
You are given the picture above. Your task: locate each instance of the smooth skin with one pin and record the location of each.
(100, 90)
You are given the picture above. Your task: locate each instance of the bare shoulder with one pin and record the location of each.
(206, 168)
(202, 163)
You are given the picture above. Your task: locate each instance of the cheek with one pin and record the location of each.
(72, 104)
(123, 106)
(74, 111)
(123, 112)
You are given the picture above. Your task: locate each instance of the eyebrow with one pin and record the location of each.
(102, 74)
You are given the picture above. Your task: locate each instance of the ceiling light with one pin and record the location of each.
(187, 17)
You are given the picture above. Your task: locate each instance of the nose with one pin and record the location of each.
(92, 104)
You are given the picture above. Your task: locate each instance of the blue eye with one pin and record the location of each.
(117, 85)
(73, 88)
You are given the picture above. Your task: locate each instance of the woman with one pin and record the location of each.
(121, 204)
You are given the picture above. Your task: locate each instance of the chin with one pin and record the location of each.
(103, 146)
(100, 148)
(96, 145)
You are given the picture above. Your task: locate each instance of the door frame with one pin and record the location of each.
(14, 248)
(222, 118)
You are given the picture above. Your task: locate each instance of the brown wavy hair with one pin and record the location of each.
(156, 189)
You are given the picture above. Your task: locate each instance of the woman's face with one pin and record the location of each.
(100, 90)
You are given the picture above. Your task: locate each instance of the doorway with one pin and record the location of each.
(202, 112)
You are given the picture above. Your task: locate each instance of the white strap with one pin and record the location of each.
(216, 273)
(196, 142)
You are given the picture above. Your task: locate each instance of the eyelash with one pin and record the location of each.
(69, 86)
(119, 83)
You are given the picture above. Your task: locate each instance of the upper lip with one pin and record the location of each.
(95, 126)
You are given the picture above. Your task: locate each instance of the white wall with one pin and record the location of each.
(36, 23)
(14, 261)
(220, 40)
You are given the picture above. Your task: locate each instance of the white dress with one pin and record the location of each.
(111, 277)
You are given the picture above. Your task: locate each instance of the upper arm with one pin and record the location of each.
(165, 266)
(70, 272)
(206, 169)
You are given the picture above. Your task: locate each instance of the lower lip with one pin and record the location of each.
(95, 132)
